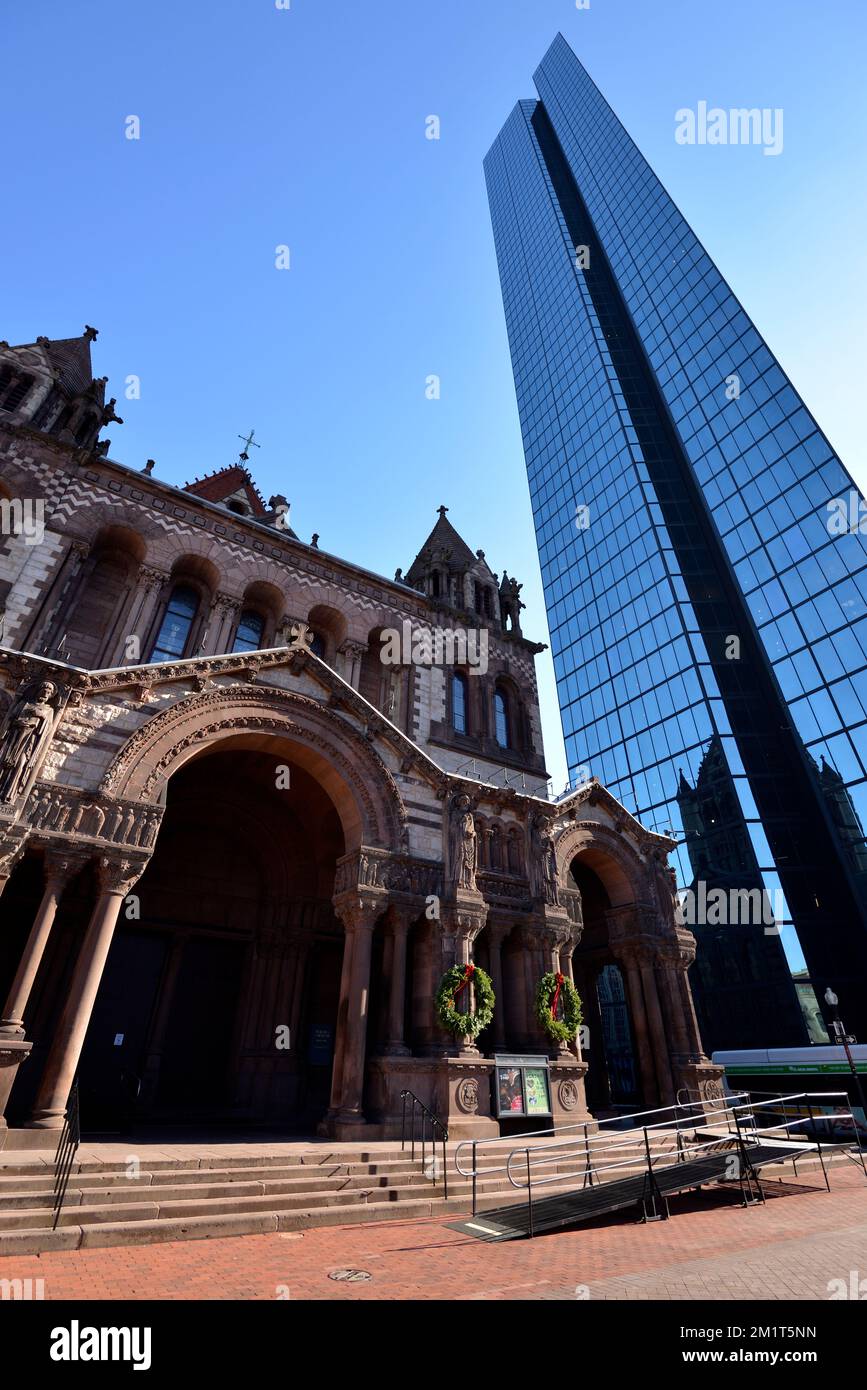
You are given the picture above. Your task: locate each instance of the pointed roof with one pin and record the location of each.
(443, 540)
(226, 483)
(69, 358)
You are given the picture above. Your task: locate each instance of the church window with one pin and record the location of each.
(13, 388)
(248, 637)
(501, 716)
(177, 621)
(317, 646)
(459, 703)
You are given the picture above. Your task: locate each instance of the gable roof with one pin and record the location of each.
(224, 483)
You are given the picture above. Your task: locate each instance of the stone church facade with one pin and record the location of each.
(255, 800)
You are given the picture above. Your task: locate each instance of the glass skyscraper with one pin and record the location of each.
(704, 571)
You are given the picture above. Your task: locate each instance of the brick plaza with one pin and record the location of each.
(791, 1248)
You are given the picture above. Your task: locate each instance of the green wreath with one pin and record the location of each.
(453, 982)
(554, 989)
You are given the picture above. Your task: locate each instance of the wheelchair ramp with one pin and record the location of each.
(572, 1208)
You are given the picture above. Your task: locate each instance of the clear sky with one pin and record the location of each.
(306, 127)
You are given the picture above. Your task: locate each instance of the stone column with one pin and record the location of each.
(361, 914)
(116, 878)
(567, 949)
(64, 590)
(657, 1028)
(496, 935)
(136, 617)
(60, 867)
(352, 652)
(689, 1014)
(398, 930)
(342, 1013)
(640, 1029)
(223, 618)
(674, 1007)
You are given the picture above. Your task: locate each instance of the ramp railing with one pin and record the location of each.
(746, 1129)
(587, 1134)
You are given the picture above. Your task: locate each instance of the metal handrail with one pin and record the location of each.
(435, 1124)
(725, 1103)
(605, 1167)
(625, 1140)
(64, 1154)
(587, 1140)
(539, 1153)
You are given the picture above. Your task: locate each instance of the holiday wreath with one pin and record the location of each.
(557, 993)
(452, 984)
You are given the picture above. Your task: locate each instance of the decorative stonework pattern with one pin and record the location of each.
(467, 1096)
(63, 811)
(568, 1095)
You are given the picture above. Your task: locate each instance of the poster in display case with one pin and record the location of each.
(521, 1086)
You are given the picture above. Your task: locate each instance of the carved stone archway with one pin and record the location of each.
(626, 878)
(341, 759)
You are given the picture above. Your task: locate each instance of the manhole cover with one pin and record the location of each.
(349, 1275)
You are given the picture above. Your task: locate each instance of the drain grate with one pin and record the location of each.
(352, 1276)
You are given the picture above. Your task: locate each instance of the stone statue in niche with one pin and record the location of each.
(666, 895)
(545, 879)
(463, 844)
(26, 732)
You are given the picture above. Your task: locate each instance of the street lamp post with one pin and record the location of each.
(842, 1037)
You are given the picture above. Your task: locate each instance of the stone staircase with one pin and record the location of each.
(136, 1196)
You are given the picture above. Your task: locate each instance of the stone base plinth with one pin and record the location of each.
(13, 1051)
(698, 1079)
(456, 1089)
(568, 1096)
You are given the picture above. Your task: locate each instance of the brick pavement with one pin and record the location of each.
(712, 1247)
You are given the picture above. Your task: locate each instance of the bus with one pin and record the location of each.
(777, 1072)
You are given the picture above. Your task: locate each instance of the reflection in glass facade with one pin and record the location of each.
(707, 604)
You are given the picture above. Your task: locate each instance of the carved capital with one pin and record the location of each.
(360, 911)
(61, 864)
(119, 875)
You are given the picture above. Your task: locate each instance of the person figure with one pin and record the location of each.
(26, 730)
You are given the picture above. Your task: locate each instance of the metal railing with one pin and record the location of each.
(747, 1133)
(64, 1155)
(683, 1112)
(417, 1106)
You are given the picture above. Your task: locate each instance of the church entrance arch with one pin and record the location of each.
(219, 998)
(613, 1079)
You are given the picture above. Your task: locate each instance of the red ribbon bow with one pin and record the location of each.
(469, 971)
(556, 996)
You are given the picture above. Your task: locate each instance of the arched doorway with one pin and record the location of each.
(220, 994)
(613, 1080)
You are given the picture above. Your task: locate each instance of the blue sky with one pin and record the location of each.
(306, 127)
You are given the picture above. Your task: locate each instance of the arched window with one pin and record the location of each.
(496, 849)
(318, 647)
(514, 853)
(175, 627)
(459, 703)
(501, 718)
(248, 637)
(14, 386)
